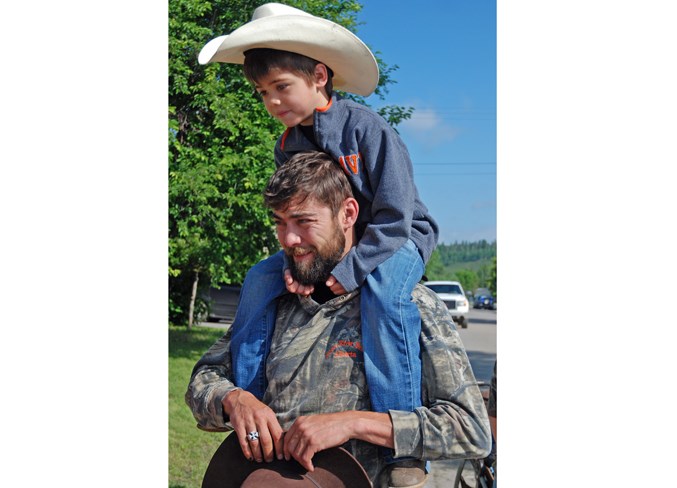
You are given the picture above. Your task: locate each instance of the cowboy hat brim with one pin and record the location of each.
(334, 468)
(354, 66)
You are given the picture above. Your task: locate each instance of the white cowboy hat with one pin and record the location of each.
(285, 28)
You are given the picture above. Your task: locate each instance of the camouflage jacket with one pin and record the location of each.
(316, 365)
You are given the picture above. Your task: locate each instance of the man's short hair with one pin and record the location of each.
(308, 174)
(259, 61)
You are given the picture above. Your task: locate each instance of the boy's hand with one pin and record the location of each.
(295, 286)
(335, 286)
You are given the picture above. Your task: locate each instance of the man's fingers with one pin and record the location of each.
(301, 450)
(244, 444)
(306, 459)
(254, 443)
(302, 456)
(290, 442)
(278, 440)
(266, 444)
(271, 439)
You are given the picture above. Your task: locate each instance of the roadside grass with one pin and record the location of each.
(190, 448)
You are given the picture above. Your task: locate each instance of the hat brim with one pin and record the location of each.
(334, 468)
(354, 66)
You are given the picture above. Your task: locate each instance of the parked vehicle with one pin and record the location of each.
(453, 296)
(221, 303)
(484, 301)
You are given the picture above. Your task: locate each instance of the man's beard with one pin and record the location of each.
(323, 262)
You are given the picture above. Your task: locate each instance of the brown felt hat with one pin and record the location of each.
(334, 468)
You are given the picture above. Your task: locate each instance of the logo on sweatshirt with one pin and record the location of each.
(351, 163)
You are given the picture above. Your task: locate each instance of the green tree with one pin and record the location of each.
(221, 143)
(484, 274)
(468, 279)
(492, 277)
(434, 270)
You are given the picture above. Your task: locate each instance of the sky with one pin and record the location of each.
(446, 53)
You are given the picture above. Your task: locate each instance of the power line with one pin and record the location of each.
(455, 174)
(454, 164)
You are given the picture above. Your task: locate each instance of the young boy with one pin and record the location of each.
(293, 59)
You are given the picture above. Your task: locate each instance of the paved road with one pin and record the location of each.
(479, 340)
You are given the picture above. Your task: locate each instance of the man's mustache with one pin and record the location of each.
(298, 251)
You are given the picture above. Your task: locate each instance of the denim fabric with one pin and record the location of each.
(254, 322)
(391, 326)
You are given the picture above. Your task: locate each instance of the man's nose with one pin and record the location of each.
(291, 238)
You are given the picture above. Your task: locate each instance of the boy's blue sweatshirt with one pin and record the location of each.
(380, 171)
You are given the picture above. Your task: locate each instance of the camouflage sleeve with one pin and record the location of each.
(453, 422)
(210, 381)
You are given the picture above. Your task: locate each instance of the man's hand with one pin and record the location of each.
(296, 287)
(315, 433)
(248, 414)
(335, 286)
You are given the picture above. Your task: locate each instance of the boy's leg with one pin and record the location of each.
(391, 326)
(254, 321)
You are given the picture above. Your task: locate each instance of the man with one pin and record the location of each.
(317, 396)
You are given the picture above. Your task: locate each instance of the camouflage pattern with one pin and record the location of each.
(316, 365)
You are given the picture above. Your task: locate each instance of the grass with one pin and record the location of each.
(190, 449)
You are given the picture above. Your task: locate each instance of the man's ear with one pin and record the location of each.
(350, 211)
(321, 75)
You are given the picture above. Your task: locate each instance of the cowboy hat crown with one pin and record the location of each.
(285, 28)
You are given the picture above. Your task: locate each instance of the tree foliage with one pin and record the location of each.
(434, 270)
(464, 251)
(473, 264)
(221, 143)
(493, 277)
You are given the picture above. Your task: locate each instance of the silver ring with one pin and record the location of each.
(252, 436)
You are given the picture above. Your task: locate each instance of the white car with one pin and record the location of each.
(453, 296)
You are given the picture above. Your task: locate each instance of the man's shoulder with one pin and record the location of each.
(425, 296)
(432, 309)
